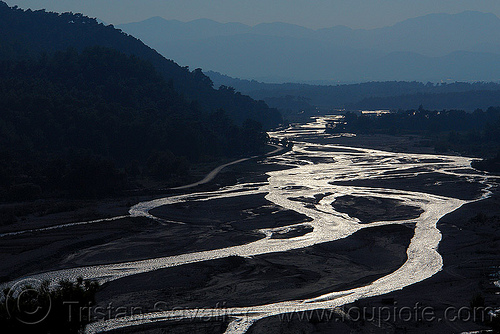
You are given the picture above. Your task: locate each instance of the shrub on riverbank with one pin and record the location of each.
(40, 309)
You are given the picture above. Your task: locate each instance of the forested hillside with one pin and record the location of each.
(27, 33)
(474, 134)
(87, 111)
(68, 120)
(369, 95)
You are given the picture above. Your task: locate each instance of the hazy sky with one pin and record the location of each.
(309, 13)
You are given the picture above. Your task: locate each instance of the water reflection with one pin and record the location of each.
(321, 174)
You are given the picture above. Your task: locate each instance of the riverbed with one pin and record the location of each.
(326, 195)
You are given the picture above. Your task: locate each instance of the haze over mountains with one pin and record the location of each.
(436, 47)
(27, 34)
(89, 111)
(368, 95)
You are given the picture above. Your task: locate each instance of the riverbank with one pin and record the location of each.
(236, 281)
(116, 240)
(299, 186)
(444, 303)
(43, 213)
(311, 249)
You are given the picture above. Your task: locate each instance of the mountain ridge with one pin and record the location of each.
(368, 95)
(352, 50)
(27, 33)
(87, 111)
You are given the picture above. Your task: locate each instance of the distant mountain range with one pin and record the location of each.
(26, 34)
(368, 95)
(436, 47)
(89, 111)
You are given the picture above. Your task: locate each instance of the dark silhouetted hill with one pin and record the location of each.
(29, 33)
(92, 123)
(88, 111)
(369, 95)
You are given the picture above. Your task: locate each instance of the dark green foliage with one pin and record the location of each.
(76, 122)
(480, 95)
(7, 217)
(24, 192)
(45, 310)
(425, 121)
(476, 133)
(92, 177)
(27, 34)
(252, 129)
(163, 165)
(369, 95)
(86, 110)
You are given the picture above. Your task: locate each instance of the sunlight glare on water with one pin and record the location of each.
(317, 168)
